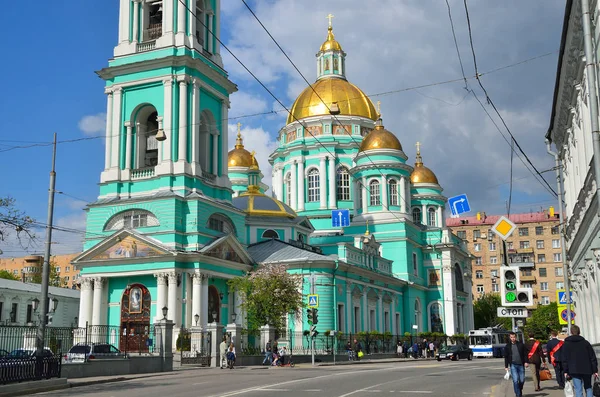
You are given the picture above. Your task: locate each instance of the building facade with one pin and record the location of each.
(29, 268)
(574, 111)
(535, 246)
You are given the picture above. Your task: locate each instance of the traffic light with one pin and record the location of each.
(511, 292)
(315, 316)
(309, 316)
(313, 331)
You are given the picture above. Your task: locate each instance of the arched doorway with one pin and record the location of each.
(135, 319)
(214, 305)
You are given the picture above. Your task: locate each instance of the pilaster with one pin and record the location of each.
(301, 179)
(332, 180)
(322, 184)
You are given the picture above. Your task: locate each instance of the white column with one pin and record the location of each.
(85, 304)
(215, 159)
(408, 197)
(97, 304)
(365, 306)
(349, 309)
(197, 295)
(172, 298)
(392, 318)
(183, 116)
(210, 37)
(224, 138)
(440, 219)
(384, 193)
(167, 117)
(381, 314)
(402, 197)
(449, 296)
(161, 293)
(196, 122)
(294, 187)
(116, 127)
(108, 140)
(168, 12)
(124, 17)
(280, 184)
(424, 213)
(332, 184)
(300, 179)
(136, 19)
(128, 150)
(322, 183)
(237, 309)
(364, 195)
(204, 301)
(181, 11)
(189, 315)
(218, 26)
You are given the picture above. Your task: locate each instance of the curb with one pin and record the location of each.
(37, 386)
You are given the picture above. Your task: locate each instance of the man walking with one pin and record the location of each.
(516, 361)
(579, 362)
(535, 356)
(357, 349)
(554, 347)
(223, 352)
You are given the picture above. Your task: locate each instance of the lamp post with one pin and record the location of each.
(196, 318)
(164, 312)
(233, 317)
(214, 316)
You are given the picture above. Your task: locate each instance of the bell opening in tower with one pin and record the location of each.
(151, 154)
(153, 11)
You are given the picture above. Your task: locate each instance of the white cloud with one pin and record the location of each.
(243, 103)
(93, 124)
(68, 242)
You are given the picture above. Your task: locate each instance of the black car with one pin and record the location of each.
(454, 353)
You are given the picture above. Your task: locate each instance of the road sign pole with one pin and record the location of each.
(312, 350)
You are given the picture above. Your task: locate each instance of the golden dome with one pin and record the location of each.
(350, 99)
(422, 174)
(240, 157)
(253, 202)
(380, 138)
(331, 44)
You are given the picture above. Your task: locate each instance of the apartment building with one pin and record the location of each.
(28, 267)
(535, 246)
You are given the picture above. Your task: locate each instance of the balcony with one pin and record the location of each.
(146, 46)
(525, 250)
(528, 279)
(153, 32)
(142, 173)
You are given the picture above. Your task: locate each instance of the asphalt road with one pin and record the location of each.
(449, 379)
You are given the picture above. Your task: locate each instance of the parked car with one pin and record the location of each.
(26, 353)
(82, 352)
(454, 353)
(3, 353)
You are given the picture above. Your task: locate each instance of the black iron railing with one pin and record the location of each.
(20, 369)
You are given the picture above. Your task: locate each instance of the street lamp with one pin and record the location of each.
(221, 295)
(214, 316)
(164, 312)
(233, 317)
(76, 321)
(34, 304)
(54, 305)
(196, 318)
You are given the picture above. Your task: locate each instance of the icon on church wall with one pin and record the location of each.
(326, 64)
(135, 300)
(434, 278)
(336, 64)
(128, 248)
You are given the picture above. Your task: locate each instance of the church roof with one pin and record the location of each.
(274, 251)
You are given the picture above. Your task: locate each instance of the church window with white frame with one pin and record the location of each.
(393, 187)
(131, 219)
(375, 197)
(220, 223)
(343, 184)
(313, 186)
(416, 215)
(431, 217)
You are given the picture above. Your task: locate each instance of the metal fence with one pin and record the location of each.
(195, 346)
(20, 369)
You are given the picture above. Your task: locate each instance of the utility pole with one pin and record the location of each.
(46, 266)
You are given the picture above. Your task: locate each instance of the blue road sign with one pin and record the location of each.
(313, 300)
(340, 218)
(459, 205)
(564, 316)
(562, 298)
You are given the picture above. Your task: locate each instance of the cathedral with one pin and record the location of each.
(179, 213)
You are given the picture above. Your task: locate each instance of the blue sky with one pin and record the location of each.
(51, 87)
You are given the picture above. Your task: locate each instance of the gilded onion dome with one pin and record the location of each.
(380, 138)
(331, 44)
(253, 202)
(239, 156)
(422, 174)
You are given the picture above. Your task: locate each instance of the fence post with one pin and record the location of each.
(164, 335)
(216, 333)
(235, 330)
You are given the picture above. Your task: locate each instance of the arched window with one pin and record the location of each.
(435, 318)
(220, 223)
(214, 305)
(458, 278)
(375, 193)
(393, 188)
(313, 185)
(431, 221)
(131, 219)
(269, 233)
(343, 184)
(416, 213)
(288, 188)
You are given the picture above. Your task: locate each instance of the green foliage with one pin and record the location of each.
(55, 279)
(269, 294)
(543, 320)
(184, 341)
(484, 311)
(5, 274)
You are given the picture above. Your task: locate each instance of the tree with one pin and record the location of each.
(5, 274)
(543, 320)
(485, 313)
(55, 280)
(14, 220)
(269, 294)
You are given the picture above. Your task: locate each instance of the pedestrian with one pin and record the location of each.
(268, 360)
(282, 354)
(349, 351)
(415, 350)
(579, 362)
(516, 361)
(536, 358)
(357, 349)
(406, 348)
(554, 349)
(223, 351)
(399, 349)
(231, 356)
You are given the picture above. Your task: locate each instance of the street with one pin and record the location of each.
(412, 378)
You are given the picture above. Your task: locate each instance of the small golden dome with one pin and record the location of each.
(240, 157)
(331, 44)
(422, 174)
(380, 138)
(253, 202)
(350, 99)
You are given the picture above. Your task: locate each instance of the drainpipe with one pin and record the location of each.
(561, 217)
(335, 310)
(590, 66)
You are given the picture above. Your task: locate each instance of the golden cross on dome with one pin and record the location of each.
(330, 17)
(379, 108)
(239, 126)
(418, 145)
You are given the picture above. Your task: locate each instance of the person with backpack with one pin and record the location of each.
(535, 356)
(268, 354)
(554, 347)
(579, 362)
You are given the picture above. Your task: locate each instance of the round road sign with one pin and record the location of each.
(563, 315)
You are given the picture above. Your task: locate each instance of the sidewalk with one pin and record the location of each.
(549, 389)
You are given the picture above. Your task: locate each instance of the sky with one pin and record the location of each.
(392, 47)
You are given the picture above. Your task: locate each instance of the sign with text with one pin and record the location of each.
(517, 312)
